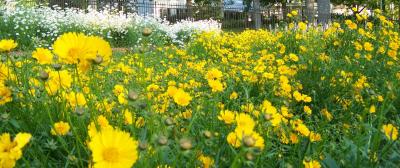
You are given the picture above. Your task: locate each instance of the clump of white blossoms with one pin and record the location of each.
(43, 24)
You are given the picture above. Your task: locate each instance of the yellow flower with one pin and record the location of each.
(227, 116)
(214, 74)
(302, 129)
(307, 110)
(5, 94)
(302, 26)
(7, 45)
(74, 48)
(216, 85)
(118, 89)
(390, 131)
(102, 48)
(233, 96)
(311, 164)
(372, 109)
(293, 57)
(206, 160)
(237, 137)
(182, 98)
(43, 56)
(60, 128)
(171, 90)
(368, 46)
(315, 137)
(102, 121)
(140, 122)
(113, 148)
(128, 119)
(58, 79)
(76, 99)
(294, 13)
(244, 122)
(11, 151)
(327, 114)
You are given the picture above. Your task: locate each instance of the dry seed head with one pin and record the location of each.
(185, 144)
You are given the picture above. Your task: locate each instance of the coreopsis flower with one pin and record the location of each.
(245, 137)
(213, 74)
(74, 48)
(368, 46)
(294, 13)
(128, 119)
(302, 129)
(103, 50)
(227, 116)
(326, 114)
(307, 110)
(372, 109)
(43, 56)
(171, 90)
(113, 148)
(11, 151)
(119, 89)
(311, 164)
(182, 98)
(314, 137)
(60, 128)
(216, 85)
(233, 96)
(5, 94)
(302, 26)
(206, 161)
(75, 99)
(7, 45)
(57, 80)
(351, 24)
(390, 131)
(244, 122)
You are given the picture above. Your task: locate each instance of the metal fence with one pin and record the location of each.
(231, 17)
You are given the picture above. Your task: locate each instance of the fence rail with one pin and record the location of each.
(231, 17)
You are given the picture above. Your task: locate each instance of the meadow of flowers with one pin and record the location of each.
(301, 97)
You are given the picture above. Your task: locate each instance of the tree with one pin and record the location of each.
(257, 14)
(310, 11)
(324, 11)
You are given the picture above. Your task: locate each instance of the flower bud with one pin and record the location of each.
(132, 95)
(169, 121)
(249, 156)
(43, 75)
(162, 140)
(147, 31)
(143, 145)
(98, 60)
(249, 141)
(207, 134)
(57, 67)
(185, 144)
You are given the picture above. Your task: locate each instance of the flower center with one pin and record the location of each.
(73, 52)
(111, 154)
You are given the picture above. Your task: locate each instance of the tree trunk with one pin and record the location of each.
(284, 9)
(221, 11)
(324, 12)
(189, 7)
(257, 14)
(310, 11)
